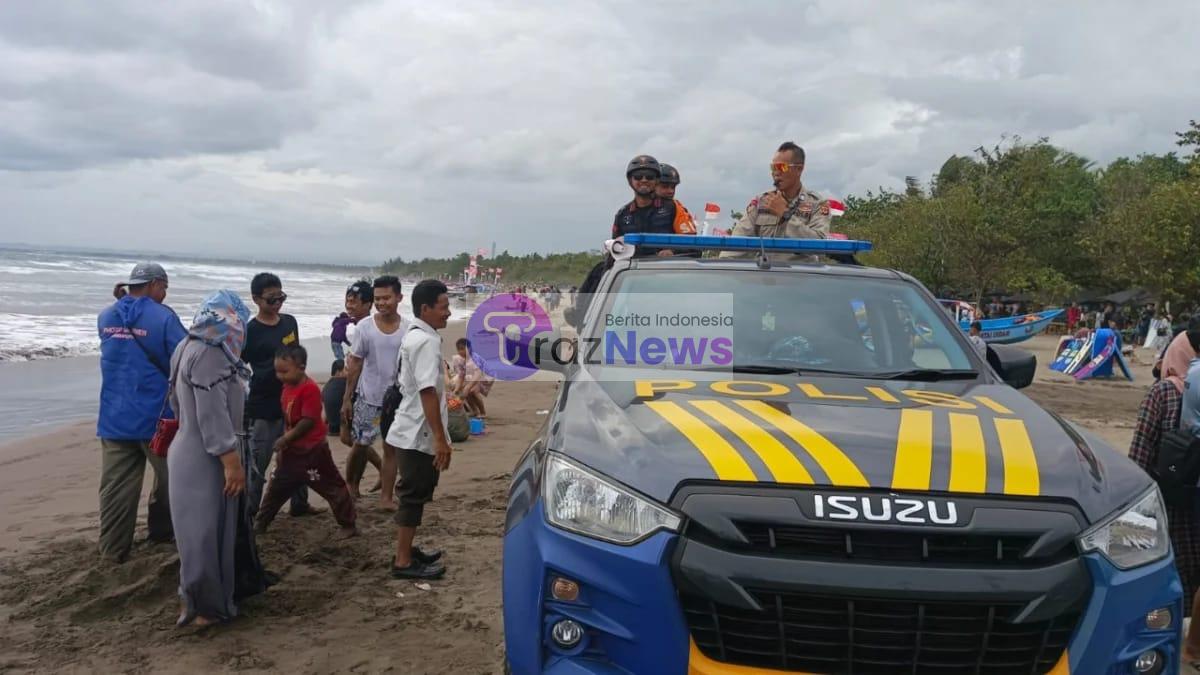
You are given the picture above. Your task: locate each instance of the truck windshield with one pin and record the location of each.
(804, 322)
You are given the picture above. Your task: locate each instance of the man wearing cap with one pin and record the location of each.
(138, 334)
(789, 211)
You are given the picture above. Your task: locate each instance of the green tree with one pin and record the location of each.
(1190, 137)
(1154, 241)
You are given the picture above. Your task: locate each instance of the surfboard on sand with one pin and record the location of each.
(1105, 353)
(1080, 356)
(1068, 347)
(1124, 366)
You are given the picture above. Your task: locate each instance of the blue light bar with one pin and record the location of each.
(771, 244)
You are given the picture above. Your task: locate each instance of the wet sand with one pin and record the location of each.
(336, 609)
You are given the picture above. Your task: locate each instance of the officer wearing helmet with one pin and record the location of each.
(649, 213)
(667, 182)
(789, 211)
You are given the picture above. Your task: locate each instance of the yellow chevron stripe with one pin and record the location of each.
(779, 460)
(1020, 463)
(882, 394)
(989, 403)
(914, 450)
(968, 457)
(833, 461)
(725, 461)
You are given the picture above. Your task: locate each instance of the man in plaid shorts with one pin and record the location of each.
(370, 369)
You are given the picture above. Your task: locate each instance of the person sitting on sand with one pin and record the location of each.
(302, 455)
(205, 460)
(468, 381)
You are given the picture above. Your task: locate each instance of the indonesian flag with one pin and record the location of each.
(711, 211)
(836, 208)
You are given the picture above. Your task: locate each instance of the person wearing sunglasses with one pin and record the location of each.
(649, 213)
(269, 330)
(789, 211)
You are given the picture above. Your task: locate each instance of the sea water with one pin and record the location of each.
(49, 300)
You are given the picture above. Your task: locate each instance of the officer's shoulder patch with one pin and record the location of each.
(823, 209)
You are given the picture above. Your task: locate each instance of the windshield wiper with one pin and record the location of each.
(756, 368)
(929, 374)
(765, 369)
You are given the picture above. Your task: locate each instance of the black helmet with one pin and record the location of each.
(643, 162)
(669, 175)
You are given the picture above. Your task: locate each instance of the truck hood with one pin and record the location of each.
(656, 430)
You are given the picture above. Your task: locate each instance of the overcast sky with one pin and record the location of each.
(356, 131)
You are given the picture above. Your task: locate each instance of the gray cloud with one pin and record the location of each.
(388, 128)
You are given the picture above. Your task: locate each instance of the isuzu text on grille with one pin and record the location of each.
(884, 509)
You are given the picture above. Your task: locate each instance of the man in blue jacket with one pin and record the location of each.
(138, 334)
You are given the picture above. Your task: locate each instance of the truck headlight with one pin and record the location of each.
(1134, 537)
(585, 503)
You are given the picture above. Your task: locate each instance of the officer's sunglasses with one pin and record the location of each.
(275, 299)
(783, 167)
(644, 175)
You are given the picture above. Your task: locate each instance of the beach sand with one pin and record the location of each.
(335, 609)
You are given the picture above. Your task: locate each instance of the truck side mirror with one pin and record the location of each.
(552, 352)
(1014, 365)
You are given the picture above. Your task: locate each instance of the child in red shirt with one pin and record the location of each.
(302, 455)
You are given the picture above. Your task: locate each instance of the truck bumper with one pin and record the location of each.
(633, 621)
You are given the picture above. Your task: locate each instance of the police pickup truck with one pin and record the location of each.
(843, 487)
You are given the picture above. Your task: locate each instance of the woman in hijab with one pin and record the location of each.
(208, 394)
(1160, 412)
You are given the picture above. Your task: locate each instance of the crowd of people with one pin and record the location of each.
(209, 406)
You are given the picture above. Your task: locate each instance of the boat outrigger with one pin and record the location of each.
(1005, 330)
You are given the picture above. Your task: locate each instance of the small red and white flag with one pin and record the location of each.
(711, 211)
(836, 208)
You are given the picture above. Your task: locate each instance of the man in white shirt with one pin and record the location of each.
(418, 432)
(370, 370)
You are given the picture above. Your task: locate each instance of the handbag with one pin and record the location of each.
(166, 427)
(1177, 469)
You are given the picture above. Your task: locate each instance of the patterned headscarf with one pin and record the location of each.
(221, 322)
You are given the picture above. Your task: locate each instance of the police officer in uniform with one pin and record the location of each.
(649, 213)
(788, 211)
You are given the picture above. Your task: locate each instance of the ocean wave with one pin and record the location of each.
(36, 324)
(39, 352)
